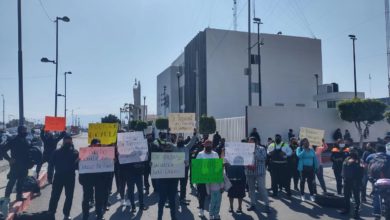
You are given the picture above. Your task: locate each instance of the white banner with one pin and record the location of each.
(167, 165)
(237, 153)
(96, 159)
(132, 147)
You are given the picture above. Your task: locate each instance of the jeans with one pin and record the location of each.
(16, 175)
(352, 187)
(215, 203)
(280, 177)
(202, 193)
(251, 181)
(167, 190)
(183, 185)
(320, 177)
(135, 179)
(307, 175)
(62, 181)
(88, 190)
(376, 202)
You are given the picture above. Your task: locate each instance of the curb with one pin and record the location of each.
(23, 206)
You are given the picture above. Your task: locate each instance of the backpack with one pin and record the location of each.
(379, 167)
(31, 184)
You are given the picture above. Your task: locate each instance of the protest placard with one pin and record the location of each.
(314, 136)
(54, 123)
(132, 147)
(96, 159)
(207, 170)
(167, 165)
(182, 122)
(105, 132)
(237, 153)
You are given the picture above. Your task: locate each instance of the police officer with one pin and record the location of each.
(280, 172)
(92, 182)
(49, 146)
(19, 162)
(65, 162)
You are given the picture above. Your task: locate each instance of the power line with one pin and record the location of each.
(44, 9)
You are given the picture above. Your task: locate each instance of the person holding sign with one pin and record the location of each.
(307, 166)
(280, 173)
(50, 143)
(256, 172)
(92, 182)
(215, 189)
(65, 163)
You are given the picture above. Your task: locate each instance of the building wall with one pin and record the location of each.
(288, 68)
(277, 120)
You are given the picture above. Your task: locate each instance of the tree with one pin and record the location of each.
(207, 125)
(111, 119)
(15, 123)
(141, 126)
(363, 113)
(162, 123)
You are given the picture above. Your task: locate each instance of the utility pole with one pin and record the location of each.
(249, 56)
(259, 44)
(353, 38)
(316, 75)
(387, 17)
(20, 65)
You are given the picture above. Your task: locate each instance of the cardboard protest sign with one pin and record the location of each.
(167, 165)
(314, 136)
(182, 122)
(207, 170)
(96, 159)
(132, 147)
(105, 132)
(238, 154)
(55, 123)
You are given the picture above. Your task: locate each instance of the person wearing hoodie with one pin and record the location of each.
(307, 167)
(65, 163)
(92, 183)
(339, 153)
(182, 147)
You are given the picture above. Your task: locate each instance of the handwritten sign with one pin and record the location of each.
(132, 147)
(314, 136)
(207, 170)
(238, 154)
(105, 132)
(96, 159)
(167, 165)
(182, 122)
(55, 123)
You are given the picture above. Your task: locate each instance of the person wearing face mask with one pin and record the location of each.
(280, 173)
(339, 153)
(293, 163)
(18, 161)
(49, 146)
(182, 147)
(65, 163)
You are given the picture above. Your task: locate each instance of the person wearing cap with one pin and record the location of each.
(50, 143)
(278, 153)
(215, 189)
(256, 173)
(65, 163)
(92, 182)
(18, 161)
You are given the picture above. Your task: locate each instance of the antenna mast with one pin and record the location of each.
(235, 15)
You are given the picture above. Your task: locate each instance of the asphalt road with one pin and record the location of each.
(281, 208)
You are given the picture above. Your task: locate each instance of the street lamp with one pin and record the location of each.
(179, 74)
(316, 76)
(45, 60)
(144, 110)
(353, 38)
(258, 22)
(66, 73)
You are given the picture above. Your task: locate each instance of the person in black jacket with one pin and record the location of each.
(135, 175)
(255, 134)
(339, 153)
(19, 162)
(65, 163)
(50, 143)
(352, 175)
(92, 183)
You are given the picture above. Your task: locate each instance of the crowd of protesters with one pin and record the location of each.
(295, 160)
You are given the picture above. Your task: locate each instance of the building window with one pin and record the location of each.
(255, 87)
(300, 105)
(279, 104)
(331, 104)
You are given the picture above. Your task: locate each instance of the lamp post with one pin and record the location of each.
(316, 76)
(179, 74)
(258, 22)
(45, 60)
(20, 64)
(144, 110)
(249, 72)
(353, 38)
(66, 73)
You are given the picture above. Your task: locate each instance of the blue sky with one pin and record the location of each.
(108, 44)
